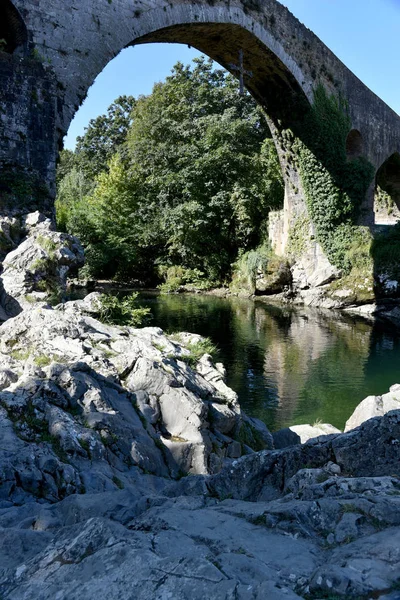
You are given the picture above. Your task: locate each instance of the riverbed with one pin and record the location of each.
(288, 365)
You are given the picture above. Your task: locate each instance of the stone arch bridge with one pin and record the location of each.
(52, 50)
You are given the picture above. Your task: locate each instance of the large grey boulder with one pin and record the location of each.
(36, 271)
(110, 403)
(313, 269)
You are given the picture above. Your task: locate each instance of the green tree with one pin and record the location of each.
(71, 192)
(197, 144)
(123, 224)
(66, 162)
(191, 185)
(104, 136)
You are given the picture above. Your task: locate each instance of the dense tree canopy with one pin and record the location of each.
(185, 176)
(104, 136)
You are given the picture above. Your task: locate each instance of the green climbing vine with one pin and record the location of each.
(299, 235)
(384, 201)
(334, 187)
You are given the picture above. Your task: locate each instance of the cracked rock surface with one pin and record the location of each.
(127, 473)
(87, 406)
(324, 534)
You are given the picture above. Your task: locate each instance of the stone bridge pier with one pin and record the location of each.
(51, 52)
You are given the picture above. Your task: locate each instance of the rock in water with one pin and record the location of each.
(374, 406)
(309, 432)
(300, 434)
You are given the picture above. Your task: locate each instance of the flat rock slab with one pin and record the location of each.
(181, 550)
(128, 545)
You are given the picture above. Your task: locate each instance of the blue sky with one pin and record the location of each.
(362, 33)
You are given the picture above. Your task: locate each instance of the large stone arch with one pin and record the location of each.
(216, 29)
(281, 85)
(73, 40)
(77, 38)
(13, 32)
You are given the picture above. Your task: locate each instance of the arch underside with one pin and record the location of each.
(271, 83)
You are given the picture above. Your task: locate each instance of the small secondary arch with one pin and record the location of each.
(354, 144)
(13, 32)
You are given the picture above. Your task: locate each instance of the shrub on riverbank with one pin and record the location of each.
(260, 270)
(176, 278)
(124, 311)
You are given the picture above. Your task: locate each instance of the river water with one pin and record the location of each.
(288, 366)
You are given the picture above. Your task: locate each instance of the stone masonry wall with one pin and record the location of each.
(76, 39)
(28, 102)
(79, 37)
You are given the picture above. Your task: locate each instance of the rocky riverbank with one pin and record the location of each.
(386, 310)
(128, 470)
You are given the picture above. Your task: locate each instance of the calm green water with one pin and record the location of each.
(288, 366)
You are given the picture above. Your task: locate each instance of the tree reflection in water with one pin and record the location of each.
(288, 365)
